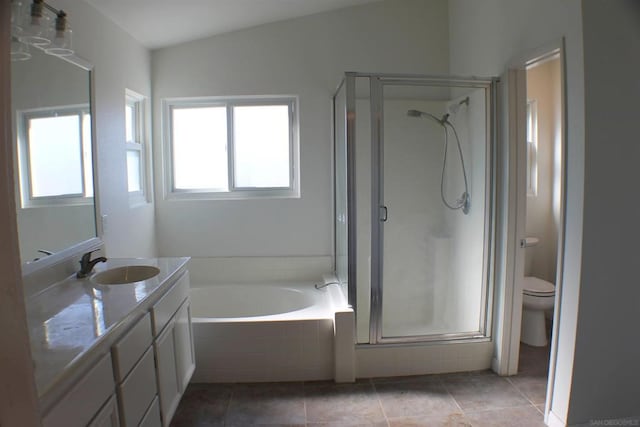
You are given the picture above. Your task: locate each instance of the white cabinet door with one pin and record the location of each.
(137, 391)
(185, 359)
(108, 415)
(168, 381)
(152, 417)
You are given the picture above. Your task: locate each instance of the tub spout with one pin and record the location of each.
(324, 285)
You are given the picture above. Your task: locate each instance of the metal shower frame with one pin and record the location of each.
(377, 82)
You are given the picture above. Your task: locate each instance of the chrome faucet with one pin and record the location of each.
(42, 251)
(87, 264)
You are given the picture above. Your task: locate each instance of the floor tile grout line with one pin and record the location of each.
(304, 401)
(375, 391)
(468, 412)
(500, 408)
(226, 410)
(454, 399)
(444, 384)
(520, 391)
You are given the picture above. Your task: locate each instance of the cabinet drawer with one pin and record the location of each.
(164, 309)
(130, 348)
(137, 391)
(152, 417)
(84, 400)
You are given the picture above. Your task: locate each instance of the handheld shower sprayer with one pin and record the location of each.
(464, 202)
(418, 113)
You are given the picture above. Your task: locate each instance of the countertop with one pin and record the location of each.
(74, 319)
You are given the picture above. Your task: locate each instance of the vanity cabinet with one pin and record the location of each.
(146, 370)
(86, 399)
(173, 347)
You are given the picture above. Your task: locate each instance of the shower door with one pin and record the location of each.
(431, 227)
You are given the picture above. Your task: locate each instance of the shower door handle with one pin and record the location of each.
(384, 213)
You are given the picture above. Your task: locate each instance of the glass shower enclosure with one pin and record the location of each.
(414, 205)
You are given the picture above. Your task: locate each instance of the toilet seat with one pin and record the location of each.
(537, 287)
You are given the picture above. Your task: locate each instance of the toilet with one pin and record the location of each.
(538, 297)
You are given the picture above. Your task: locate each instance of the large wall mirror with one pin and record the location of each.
(51, 107)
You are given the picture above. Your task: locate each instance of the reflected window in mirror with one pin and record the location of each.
(53, 163)
(135, 135)
(54, 149)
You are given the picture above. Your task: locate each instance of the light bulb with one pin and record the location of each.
(61, 37)
(36, 25)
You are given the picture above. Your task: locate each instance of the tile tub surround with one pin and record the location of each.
(283, 341)
(430, 400)
(73, 322)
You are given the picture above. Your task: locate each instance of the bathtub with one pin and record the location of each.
(265, 332)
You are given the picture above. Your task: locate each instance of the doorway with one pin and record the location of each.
(537, 126)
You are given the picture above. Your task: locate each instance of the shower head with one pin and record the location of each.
(414, 113)
(454, 108)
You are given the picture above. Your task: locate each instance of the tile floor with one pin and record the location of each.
(466, 399)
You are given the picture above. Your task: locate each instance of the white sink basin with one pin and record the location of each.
(124, 275)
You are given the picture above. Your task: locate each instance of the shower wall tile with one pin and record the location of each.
(344, 349)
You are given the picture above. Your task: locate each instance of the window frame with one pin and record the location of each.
(139, 145)
(532, 147)
(27, 199)
(233, 192)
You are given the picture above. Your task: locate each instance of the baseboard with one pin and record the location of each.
(554, 421)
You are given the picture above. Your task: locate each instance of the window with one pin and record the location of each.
(136, 147)
(532, 148)
(54, 150)
(232, 148)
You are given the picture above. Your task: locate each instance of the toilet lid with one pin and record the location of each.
(536, 286)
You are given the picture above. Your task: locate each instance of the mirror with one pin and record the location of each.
(51, 108)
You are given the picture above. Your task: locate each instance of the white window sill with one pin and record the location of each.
(137, 200)
(233, 195)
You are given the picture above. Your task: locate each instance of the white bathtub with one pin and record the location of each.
(260, 302)
(264, 332)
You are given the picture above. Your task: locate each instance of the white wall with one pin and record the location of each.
(542, 213)
(119, 62)
(601, 251)
(18, 396)
(606, 374)
(484, 37)
(304, 57)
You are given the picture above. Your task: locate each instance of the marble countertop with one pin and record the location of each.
(75, 318)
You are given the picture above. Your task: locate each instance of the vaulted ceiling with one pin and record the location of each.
(160, 23)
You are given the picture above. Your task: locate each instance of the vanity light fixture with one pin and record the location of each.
(32, 26)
